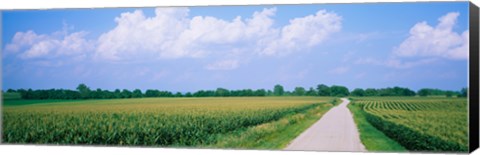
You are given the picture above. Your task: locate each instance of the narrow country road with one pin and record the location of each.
(335, 131)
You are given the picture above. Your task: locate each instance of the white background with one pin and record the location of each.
(86, 150)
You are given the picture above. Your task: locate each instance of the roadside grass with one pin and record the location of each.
(373, 139)
(272, 135)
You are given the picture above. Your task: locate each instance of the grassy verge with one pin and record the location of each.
(373, 139)
(272, 135)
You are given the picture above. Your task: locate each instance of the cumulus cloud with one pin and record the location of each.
(435, 41)
(29, 45)
(172, 33)
(304, 32)
(223, 65)
(23, 39)
(426, 45)
(138, 36)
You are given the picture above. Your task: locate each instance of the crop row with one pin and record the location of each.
(421, 125)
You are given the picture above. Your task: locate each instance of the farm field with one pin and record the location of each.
(418, 123)
(183, 122)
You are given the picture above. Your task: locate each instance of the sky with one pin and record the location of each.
(371, 45)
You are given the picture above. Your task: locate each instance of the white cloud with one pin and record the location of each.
(172, 33)
(426, 44)
(438, 41)
(138, 36)
(304, 32)
(223, 65)
(22, 39)
(30, 45)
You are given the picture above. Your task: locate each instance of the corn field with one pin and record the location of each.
(148, 121)
(420, 124)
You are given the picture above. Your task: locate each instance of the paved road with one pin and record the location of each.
(335, 131)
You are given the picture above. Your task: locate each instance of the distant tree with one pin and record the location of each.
(84, 91)
(339, 91)
(358, 92)
(96, 94)
(371, 92)
(151, 93)
(278, 90)
(178, 94)
(10, 91)
(299, 91)
(73, 94)
(137, 93)
(323, 90)
(165, 94)
(117, 93)
(198, 93)
(269, 93)
(424, 92)
(463, 92)
(126, 93)
(311, 92)
(260, 92)
(188, 94)
(408, 92)
(222, 92)
(204, 93)
(449, 93)
(107, 94)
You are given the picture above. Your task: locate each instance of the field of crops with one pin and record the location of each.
(147, 121)
(420, 124)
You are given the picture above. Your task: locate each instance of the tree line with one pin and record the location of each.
(84, 92)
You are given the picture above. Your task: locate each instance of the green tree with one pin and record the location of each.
(323, 90)
(299, 91)
(449, 93)
(278, 90)
(269, 93)
(222, 92)
(311, 92)
(117, 93)
(358, 92)
(178, 94)
(126, 93)
(260, 92)
(371, 92)
(84, 91)
(424, 92)
(339, 91)
(463, 92)
(137, 93)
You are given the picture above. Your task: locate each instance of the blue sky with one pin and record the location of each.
(415, 45)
